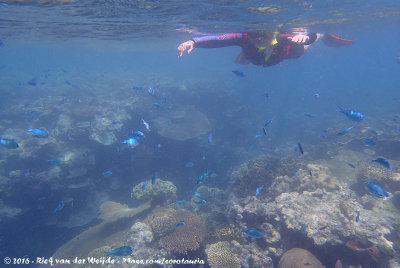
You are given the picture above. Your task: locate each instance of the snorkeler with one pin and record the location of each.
(263, 48)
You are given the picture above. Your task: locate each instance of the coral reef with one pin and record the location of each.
(160, 191)
(316, 206)
(182, 123)
(73, 217)
(251, 255)
(219, 255)
(367, 170)
(297, 258)
(107, 235)
(180, 239)
(139, 237)
(261, 171)
(214, 210)
(227, 233)
(162, 222)
(112, 210)
(7, 212)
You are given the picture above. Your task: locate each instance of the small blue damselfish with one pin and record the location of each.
(377, 191)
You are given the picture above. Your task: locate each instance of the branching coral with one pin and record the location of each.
(162, 222)
(228, 233)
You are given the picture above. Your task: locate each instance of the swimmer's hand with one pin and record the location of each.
(188, 45)
(299, 39)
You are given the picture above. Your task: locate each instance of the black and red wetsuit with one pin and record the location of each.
(272, 50)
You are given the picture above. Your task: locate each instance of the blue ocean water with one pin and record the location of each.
(70, 67)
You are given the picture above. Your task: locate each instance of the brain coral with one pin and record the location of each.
(180, 239)
(297, 257)
(220, 256)
(367, 170)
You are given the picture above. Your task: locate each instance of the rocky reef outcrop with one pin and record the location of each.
(323, 212)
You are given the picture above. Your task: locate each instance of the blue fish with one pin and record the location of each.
(377, 191)
(382, 161)
(107, 173)
(180, 202)
(358, 216)
(132, 142)
(201, 202)
(210, 138)
(151, 91)
(253, 233)
(353, 115)
(38, 133)
(269, 121)
(344, 131)
(303, 229)
(147, 125)
(10, 144)
(157, 104)
(121, 251)
(144, 185)
(238, 73)
(204, 156)
(153, 179)
(54, 161)
(181, 223)
(202, 177)
(257, 136)
(213, 175)
(368, 142)
(33, 81)
(137, 87)
(264, 130)
(259, 189)
(309, 115)
(189, 164)
(323, 134)
(370, 130)
(300, 147)
(267, 96)
(137, 133)
(59, 207)
(350, 165)
(196, 194)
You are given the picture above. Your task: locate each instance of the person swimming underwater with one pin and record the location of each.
(261, 47)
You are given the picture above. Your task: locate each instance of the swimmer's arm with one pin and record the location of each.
(297, 38)
(211, 41)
